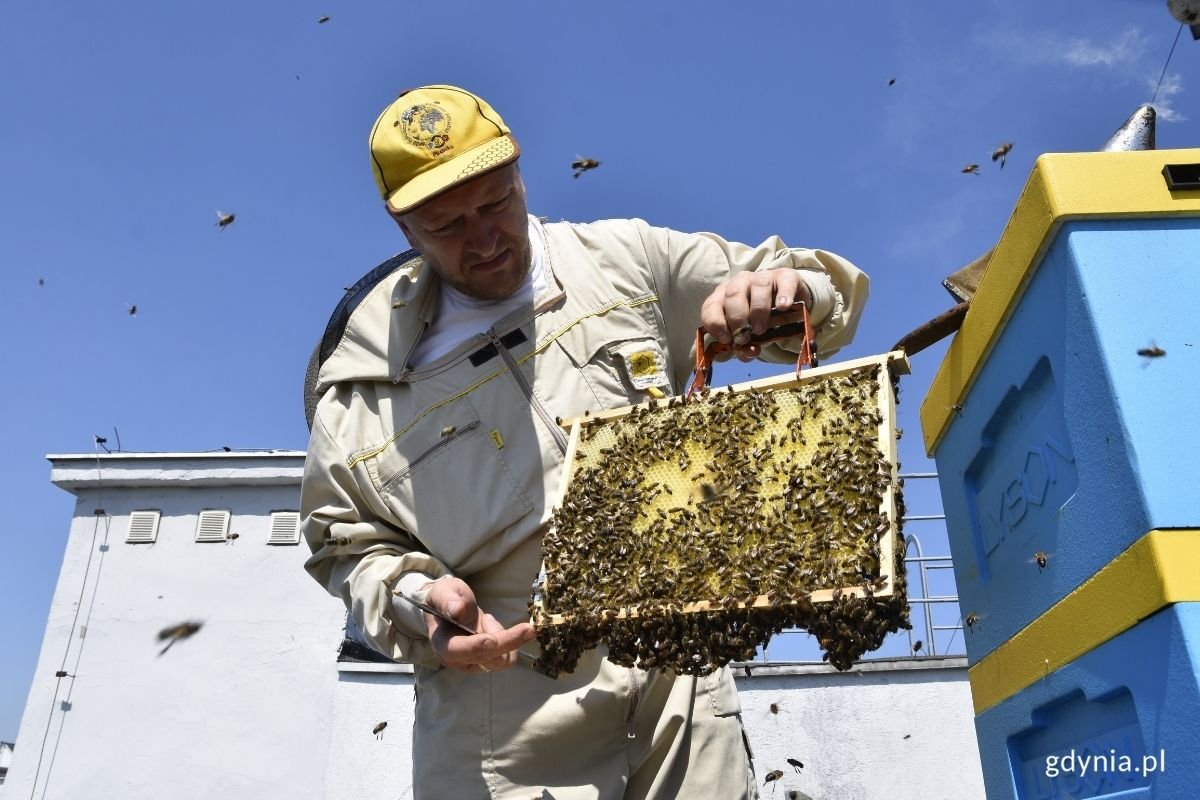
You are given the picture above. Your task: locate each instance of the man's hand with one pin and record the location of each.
(490, 649)
(741, 305)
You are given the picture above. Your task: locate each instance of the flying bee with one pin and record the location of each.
(796, 765)
(1041, 558)
(1001, 152)
(971, 169)
(582, 165)
(176, 632)
(322, 21)
(232, 536)
(773, 776)
(1153, 351)
(132, 309)
(971, 620)
(378, 729)
(917, 646)
(224, 220)
(774, 707)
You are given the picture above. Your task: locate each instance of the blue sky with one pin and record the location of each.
(127, 126)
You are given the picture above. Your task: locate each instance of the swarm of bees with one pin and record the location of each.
(693, 530)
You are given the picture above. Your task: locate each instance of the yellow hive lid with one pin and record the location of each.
(1062, 187)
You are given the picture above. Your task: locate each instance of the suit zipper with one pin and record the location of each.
(634, 691)
(560, 438)
(445, 440)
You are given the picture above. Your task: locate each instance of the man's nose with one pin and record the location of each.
(482, 236)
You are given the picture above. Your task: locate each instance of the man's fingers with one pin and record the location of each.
(712, 316)
(494, 648)
(762, 297)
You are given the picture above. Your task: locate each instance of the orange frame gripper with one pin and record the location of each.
(704, 355)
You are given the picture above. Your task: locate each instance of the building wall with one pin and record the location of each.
(256, 705)
(900, 730)
(241, 709)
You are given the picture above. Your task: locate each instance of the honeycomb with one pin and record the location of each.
(690, 531)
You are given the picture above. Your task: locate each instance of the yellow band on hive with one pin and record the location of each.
(1062, 187)
(1155, 571)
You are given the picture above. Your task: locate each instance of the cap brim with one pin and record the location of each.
(469, 164)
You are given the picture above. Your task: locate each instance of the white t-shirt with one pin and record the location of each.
(459, 316)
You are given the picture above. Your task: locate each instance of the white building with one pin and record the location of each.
(6, 751)
(265, 699)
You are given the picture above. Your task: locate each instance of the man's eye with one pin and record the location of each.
(498, 206)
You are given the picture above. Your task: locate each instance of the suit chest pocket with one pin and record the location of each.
(447, 481)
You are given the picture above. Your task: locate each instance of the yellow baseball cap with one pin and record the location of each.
(432, 139)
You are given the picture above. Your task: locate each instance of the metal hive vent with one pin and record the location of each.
(285, 527)
(143, 527)
(212, 526)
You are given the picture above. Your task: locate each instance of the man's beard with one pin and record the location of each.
(489, 286)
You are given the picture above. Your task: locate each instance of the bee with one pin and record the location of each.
(176, 632)
(908, 736)
(322, 21)
(796, 765)
(774, 708)
(1001, 152)
(582, 165)
(378, 729)
(41, 281)
(1041, 559)
(224, 220)
(232, 536)
(1154, 351)
(773, 776)
(917, 646)
(971, 169)
(971, 620)
(892, 82)
(132, 310)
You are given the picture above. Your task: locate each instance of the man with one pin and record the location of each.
(435, 457)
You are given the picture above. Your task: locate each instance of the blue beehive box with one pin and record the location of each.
(1051, 434)
(1127, 710)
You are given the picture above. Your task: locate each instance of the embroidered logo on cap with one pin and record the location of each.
(426, 125)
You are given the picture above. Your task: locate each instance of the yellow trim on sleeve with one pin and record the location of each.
(1155, 571)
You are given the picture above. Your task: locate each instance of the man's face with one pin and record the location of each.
(475, 236)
